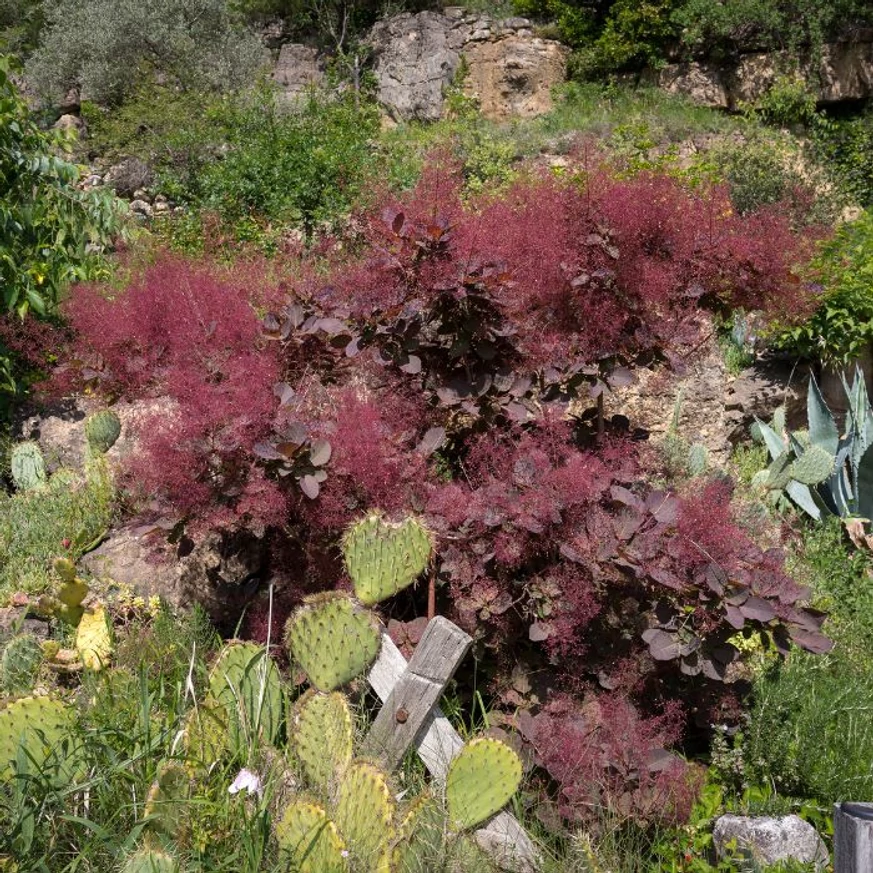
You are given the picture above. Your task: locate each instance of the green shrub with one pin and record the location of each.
(299, 168)
(842, 326)
(105, 46)
(846, 145)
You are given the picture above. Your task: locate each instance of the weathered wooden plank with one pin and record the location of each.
(505, 840)
(853, 837)
(406, 709)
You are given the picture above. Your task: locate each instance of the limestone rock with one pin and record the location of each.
(514, 76)
(71, 122)
(416, 57)
(298, 68)
(770, 840)
(141, 207)
(703, 83)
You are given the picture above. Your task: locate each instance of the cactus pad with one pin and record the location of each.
(102, 429)
(205, 735)
(813, 466)
(481, 779)
(332, 640)
(385, 557)
(40, 724)
(779, 472)
(20, 661)
(167, 800)
(246, 682)
(28, 466)
(364, 812)
(94, 638)
(420, 838)
(308, 840)
(151, 861)
(320, 732)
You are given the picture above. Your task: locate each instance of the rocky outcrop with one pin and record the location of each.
(513, 76)
(508, 69)
(770, 840)
(298, 68)
(839, 72)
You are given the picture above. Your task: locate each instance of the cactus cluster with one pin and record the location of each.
(320, 735)
(820, 470)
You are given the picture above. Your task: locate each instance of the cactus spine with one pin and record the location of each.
(385, 557)
(27, 466)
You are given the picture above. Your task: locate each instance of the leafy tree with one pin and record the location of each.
(107, 46)
(49, 230)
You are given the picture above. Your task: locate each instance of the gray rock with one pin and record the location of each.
(128, 176)
(416, 57)
(71, 122)
(770, 840)
(298, 68)
(220, 572)
(141, 207)
(703, 83)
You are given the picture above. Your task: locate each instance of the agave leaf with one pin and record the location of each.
(801, 495)
(864, 487)
(822, 427)
(771, 439)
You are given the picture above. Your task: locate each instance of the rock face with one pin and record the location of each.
(220, 572)
(514, 76)
(770, 840)
(843, 71)
(299, 67)
(509, 70)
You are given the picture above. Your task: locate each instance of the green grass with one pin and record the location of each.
(35, 525)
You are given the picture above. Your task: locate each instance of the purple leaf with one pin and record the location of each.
(662, 646)
(538, 632)
(412, 365)
(758, 609)
(319, 453)
(432, 441)
(267, 452)
(310, 487)
(813, 642)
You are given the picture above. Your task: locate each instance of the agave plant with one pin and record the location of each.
(821, 470)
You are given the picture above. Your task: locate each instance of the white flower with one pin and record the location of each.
(247, 781)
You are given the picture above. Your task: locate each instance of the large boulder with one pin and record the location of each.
(513, 76)
(770, 840)
(220, 572)
(703, 83)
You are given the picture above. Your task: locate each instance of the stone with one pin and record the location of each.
(141, 207)
(142, 194)
(71, 123)
(415, 57)
(220, 572)
(298, 68)
(702, 83)
(128, 176)
(514, 76)
(771, 840)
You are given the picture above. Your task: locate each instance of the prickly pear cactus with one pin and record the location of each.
(20, 661)
(813, 466)
(40, 724)
(205, 734)
(167, 801)
(332, 640)
(779, 472)
(246, 682)
(308, 840)
(320, 733)
(482, 778)
(102, 429)
(28, 466)
(71, 592)
(698, 460)
(420, 843)
(151, 860)
(385, 557)
(94, 638)
(364, 814)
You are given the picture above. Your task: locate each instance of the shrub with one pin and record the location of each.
(105, 47)
(427, 365)
(842, 325)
